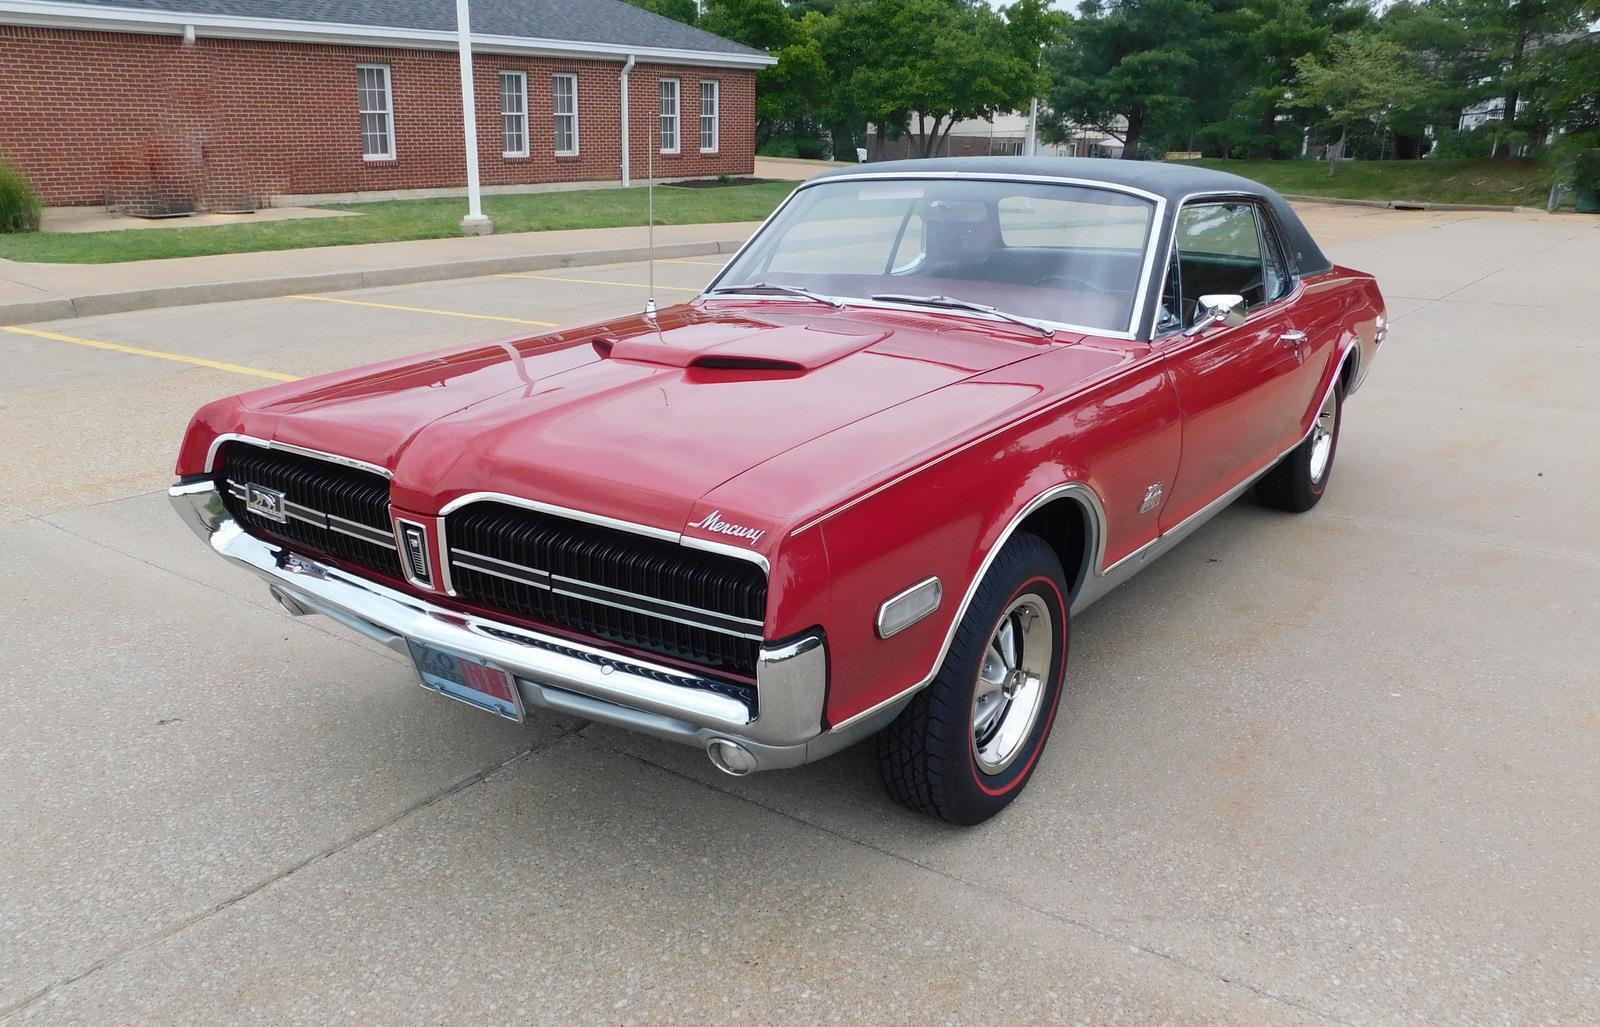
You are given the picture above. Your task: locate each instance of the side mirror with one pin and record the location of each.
(1218, 308)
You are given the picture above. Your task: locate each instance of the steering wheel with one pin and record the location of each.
(1069, 280)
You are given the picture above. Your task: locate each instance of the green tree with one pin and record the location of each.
(1364, 78)
(794, 87)
(1453, 51)
(1566, 90)
(926, 64)
(1271, 35)
(1140, 60)
(1523, 27)
(1477, 49)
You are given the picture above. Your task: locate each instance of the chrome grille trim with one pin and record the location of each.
(650, 593)
(577, 588)
(700, 610)
(326, 507)
(360, 531)
(589, 598)
(331, 522)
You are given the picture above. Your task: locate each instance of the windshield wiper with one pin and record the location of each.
(953, 303)
(792, 290)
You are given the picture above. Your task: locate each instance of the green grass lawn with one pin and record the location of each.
(1520, 183)
(406, 219)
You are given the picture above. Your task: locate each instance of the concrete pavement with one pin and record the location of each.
(41, 292)
(1330, 768)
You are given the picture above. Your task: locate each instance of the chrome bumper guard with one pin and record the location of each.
(785, 730)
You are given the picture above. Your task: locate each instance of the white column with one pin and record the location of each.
(627, 67)
(1032, 147)
(474, 223)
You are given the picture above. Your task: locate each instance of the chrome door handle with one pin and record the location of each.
(1293, 338)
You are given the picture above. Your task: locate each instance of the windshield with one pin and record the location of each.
(1060, 253)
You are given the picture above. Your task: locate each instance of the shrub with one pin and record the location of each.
(811, 149)
(778, 146)
(1470, 143)
(19, 201)
(1586, 171)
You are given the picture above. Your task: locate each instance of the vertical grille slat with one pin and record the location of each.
(711, 584)
(329, 488)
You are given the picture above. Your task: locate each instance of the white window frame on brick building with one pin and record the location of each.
(710, 115)
(564, 114)
(375, 98)
(514, 114)
(671, 124)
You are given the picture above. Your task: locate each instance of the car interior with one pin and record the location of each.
(967, 249)
(1221, 248)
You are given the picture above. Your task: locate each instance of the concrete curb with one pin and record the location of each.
(1339, 201)
(94, 304)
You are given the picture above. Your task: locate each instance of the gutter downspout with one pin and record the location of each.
(623, 83)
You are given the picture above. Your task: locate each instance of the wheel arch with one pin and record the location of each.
(1071, 521)
(1059, 510)
(1349, 367)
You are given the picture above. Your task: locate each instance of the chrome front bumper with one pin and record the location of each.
(785, 730)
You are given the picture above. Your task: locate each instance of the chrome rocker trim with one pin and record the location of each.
(553, 673)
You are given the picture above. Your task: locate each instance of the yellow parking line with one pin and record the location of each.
(596, 281)
(428, 310)
(138, 351)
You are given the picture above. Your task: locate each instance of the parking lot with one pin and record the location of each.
(1343, 767)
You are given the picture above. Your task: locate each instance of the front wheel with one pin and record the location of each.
(966, 745)
(1300, 479)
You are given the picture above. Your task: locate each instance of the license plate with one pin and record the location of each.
(466, 678)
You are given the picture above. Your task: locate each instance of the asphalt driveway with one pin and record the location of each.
(1342, 767)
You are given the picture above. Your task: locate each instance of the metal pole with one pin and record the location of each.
(650, 216)
(1033, 128)
(474, 223)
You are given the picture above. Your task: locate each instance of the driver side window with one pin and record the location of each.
(1220, 248)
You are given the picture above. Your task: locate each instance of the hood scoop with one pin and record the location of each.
(754, 348)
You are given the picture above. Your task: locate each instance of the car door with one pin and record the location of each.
(1241, 389)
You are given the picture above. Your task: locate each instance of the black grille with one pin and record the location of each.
(650, 594)
(326, 508)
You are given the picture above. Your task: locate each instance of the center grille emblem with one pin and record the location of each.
(265, 502)
(414, 548)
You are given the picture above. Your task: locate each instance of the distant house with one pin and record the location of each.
(216, 103)
(1000, 136)
(1481, 114)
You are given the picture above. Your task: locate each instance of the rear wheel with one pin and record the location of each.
(967, 744)
(1300, 478)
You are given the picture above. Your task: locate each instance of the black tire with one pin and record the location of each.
(927, 756)
(1291, 485)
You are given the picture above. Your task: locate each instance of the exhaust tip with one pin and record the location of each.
(730, 757)
(290, 604)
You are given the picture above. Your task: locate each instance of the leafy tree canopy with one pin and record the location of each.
(926, 64)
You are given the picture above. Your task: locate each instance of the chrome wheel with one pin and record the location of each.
(1322, 437)
(1011, 684)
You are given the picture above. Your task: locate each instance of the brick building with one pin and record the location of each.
(218, 104)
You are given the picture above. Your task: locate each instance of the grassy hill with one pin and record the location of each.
(1522, 183)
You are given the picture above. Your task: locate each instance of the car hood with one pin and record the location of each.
(635, 419)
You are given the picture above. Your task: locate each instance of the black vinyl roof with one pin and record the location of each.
(586, 21)
(1170, 181)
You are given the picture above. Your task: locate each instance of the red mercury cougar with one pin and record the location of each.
(855, 489)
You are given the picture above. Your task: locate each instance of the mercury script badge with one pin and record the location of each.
(714, 522)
